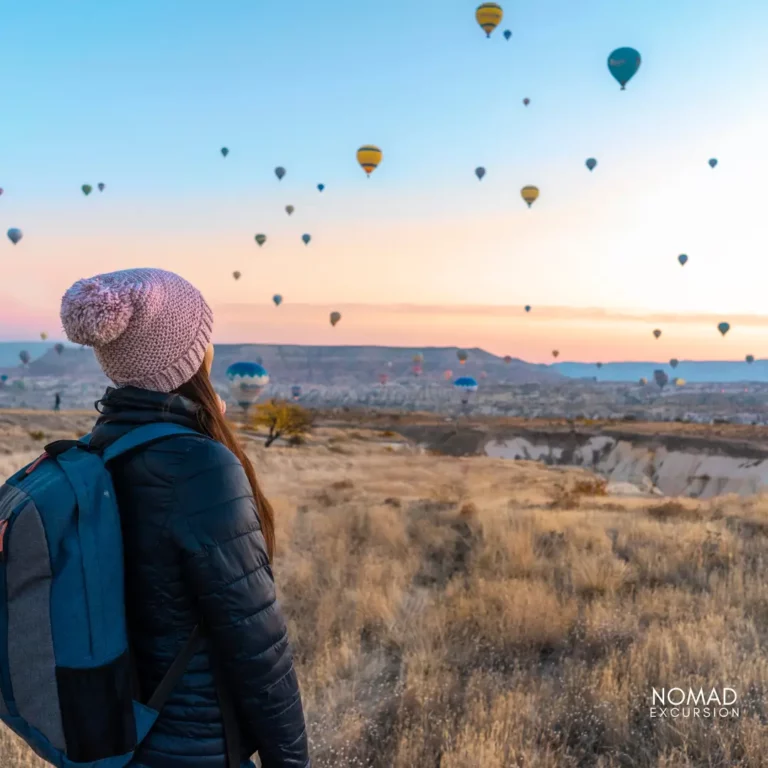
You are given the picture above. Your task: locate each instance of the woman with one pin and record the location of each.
(198, 532)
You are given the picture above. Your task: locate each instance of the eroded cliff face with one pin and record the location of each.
(649, 465)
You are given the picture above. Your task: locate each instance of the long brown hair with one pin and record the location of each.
(199, 390)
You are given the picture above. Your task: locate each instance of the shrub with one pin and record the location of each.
(37, 434)
(282, 418)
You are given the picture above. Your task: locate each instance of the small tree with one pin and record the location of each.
(282, 419)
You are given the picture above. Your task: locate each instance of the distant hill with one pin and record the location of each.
(9, 351)
(720, 371)
(310, 364)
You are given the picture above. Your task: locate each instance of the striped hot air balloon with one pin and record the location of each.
(369, 157)
(489, 16)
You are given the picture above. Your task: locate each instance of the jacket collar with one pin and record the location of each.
(134, 406)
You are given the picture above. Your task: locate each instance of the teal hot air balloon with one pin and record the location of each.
(527, 307)
(246, 382)
(224, 151)
(674, 362)
(591, 163)
(750, 359)
(279, 172)
(712, 162)
(723, 328)
(278, 299)
(466, 386)
(480, 172)
(682, 258)
(320, 187)
(14, 235)
(87, 189)
(623, 63)
(260, 239)
(306, 239)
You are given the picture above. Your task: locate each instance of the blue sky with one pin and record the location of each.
(142, 95)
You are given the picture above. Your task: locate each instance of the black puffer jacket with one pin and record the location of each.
(194, 551)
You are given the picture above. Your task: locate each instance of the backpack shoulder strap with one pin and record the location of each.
(143, 436)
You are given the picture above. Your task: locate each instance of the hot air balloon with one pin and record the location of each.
(59, 348)
(383, 379)
(246, 382)
(529, 194)
(679, 382)
(369, 158)
(526, 101)
(507, 34)
(489, 16)
(657, 333)
(480, 172)
(306, 239)
(527, 307)
(724, 328)
(661, 378)
(462, 355)
(295, 391)
(101, 186)
(416, 369)
(682, 258)
(320, 187)
(555, 353)
(24, 356)
(4, 378)
(1, 190)
(418, 358)
(279, 172)
(43, 335)
(643, 381)
(750, 359)
(335, 317)
(278, 299)
(14, 235)
(599, 366)
(674, 362)
(289, 209)
(507, 359)
(224, 151)
(466, 387)
(448, 374)
(712, 162)
(591, 163)
(623, 63)
(236, 275)
(260, 239)
(87, 189)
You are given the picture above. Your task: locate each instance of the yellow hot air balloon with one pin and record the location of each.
(489, 16)
(369, 158)
(529, 194)
(43, 335)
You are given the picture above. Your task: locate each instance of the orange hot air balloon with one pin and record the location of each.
(555, 353)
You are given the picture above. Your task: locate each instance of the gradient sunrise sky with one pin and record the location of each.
(142, 96)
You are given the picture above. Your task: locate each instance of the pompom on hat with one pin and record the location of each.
(149, 328)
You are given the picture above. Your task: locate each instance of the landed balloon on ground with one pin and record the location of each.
(278, 299)
(369, 157)
(682, 258)
(335, 317)
(279, 172)
(489, 16)
(246, 382)
(480, 172)
(260, 239)
(14, 235)
(530, 194)
(724, 328)
(623, 63)
(591, 163)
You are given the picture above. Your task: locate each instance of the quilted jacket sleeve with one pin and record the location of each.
(216, 525)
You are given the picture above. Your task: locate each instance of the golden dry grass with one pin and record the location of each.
(478, 612)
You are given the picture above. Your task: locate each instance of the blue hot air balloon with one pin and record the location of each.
(320, 187)
(724, 328)
(279, 172)
(466, 386)
(712, 162)
(507, 34)
(623, 63)
(306, 239)
(14, 235)
(278, 299)
(295, 391)
(591, 163)
(246, 382)
(527, 307)
(480, 172)
(682, 258)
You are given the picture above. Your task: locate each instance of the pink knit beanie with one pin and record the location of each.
(149, 328)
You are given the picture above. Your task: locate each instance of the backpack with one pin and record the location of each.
(66, 674)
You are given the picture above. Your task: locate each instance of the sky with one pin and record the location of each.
(141, 96)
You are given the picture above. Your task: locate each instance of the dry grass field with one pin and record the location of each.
(472, 612)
